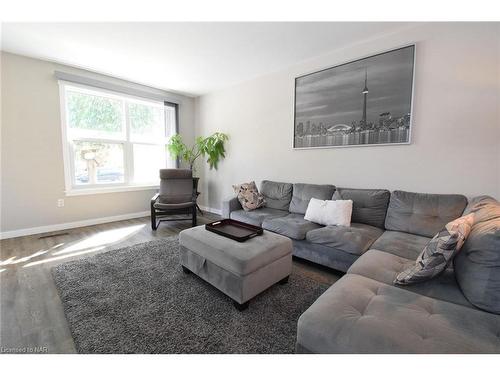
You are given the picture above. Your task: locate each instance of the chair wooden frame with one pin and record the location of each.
(158, 215)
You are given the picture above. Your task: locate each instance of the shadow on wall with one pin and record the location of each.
(211, 197)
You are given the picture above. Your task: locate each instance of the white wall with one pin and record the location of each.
(456, 126)
(32, 175)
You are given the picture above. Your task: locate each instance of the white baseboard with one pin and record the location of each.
(212, 210)
(70, 225)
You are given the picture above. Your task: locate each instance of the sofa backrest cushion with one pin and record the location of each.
(369, 205)
(278, 194)
(422, 214)
(477, 265)
(302, 194)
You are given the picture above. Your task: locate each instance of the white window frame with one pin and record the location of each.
(71, 188)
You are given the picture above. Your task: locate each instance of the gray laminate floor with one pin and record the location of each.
(31, 314)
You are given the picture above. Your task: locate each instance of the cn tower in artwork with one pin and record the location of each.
(365, 94)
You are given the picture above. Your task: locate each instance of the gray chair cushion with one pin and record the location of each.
(256, 217)
(175, 173)
(360, 315)
(384, 267)
(176, 187)
(292, 225)
(278, 194)
(402, 244)
(477, 265)
(422, 214)
(355, 239)
(302, 194)
(369, 205)
(173, 206)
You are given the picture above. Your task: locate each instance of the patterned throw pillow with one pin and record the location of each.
(439, 252)
(249, 196)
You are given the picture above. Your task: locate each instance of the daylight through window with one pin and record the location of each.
(114, 140)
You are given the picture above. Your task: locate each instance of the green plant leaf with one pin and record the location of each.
(212, 147)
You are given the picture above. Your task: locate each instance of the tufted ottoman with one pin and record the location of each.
(241, 270)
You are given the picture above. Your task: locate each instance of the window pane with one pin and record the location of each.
(146, 122)
(170, 119)
(94, 116)
(171, 128)
(98, 163)
(148, 160)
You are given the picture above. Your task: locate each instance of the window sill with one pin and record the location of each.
(112, 189)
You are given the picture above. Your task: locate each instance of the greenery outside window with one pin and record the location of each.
(112, 141)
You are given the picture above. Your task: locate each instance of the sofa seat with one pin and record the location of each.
(405, 245)
(292, 225)
(360, 315)
(355, 239)
(320, 254)
(384, 267)
(256, 217)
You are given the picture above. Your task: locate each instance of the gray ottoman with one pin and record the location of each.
(239, 269)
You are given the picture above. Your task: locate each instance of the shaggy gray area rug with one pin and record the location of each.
(138, 300)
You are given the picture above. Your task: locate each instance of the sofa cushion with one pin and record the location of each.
(438, 253)
(355, 239)
(477, 265)
(422, 214)
(384, 267)
(405, 245)
(302, 193)
(277, 194)
(292, 225)
(361, 315)
(256, 217)
(483, 207)
(369, 205)
(326, 256)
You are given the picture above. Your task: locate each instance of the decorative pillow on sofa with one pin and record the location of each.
(336, 212)
(249, 196)
(439, 252)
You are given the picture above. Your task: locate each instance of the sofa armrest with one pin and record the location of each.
(230, 205)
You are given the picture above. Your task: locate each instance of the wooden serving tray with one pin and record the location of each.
(233, 229)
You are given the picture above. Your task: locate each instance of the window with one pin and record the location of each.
(113, 142)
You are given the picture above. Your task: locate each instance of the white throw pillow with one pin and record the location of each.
(329, 212)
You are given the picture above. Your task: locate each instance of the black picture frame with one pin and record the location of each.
(381, 115)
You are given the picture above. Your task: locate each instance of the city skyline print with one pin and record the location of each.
(364, 102)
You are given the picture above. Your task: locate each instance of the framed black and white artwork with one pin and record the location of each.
(360, 103)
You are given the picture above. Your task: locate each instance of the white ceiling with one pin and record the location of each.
(192, 58)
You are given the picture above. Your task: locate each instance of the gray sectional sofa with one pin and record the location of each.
(364, 312)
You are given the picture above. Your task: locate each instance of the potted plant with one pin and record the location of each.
(212, 147)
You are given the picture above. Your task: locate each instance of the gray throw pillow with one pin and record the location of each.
(439, 252)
